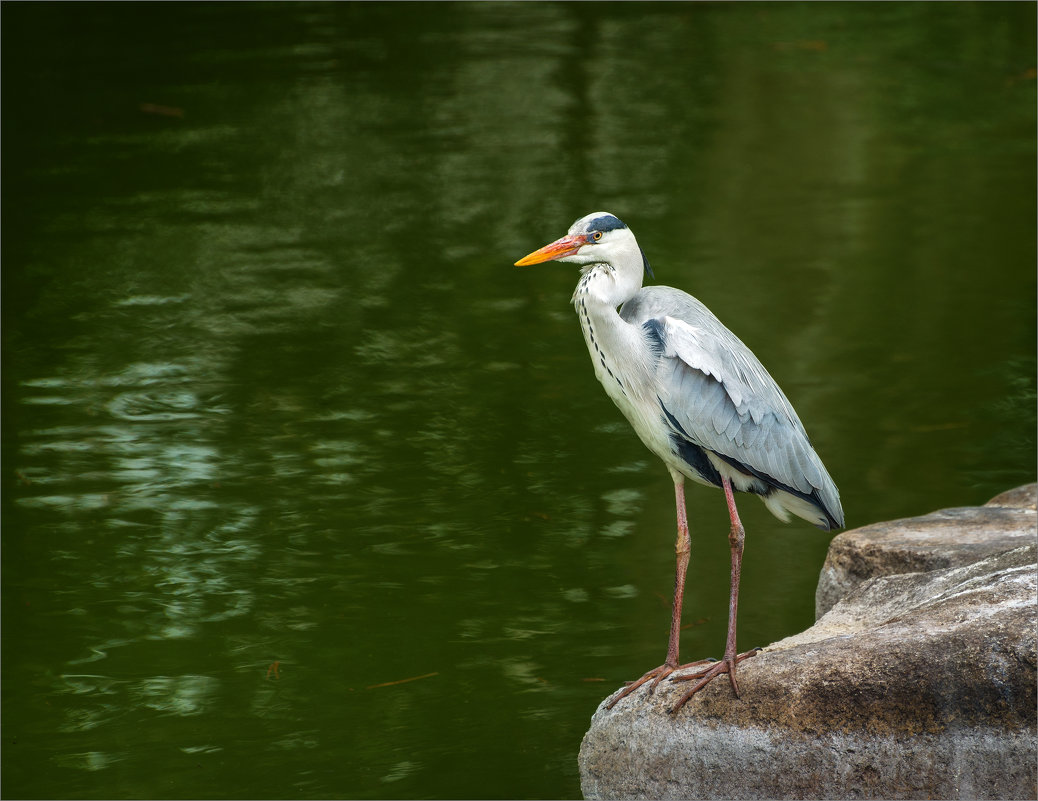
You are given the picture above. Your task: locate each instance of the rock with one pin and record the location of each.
(1025, 497)
(945, 538)
(915, 685)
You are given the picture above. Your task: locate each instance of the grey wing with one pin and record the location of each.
(717, 394)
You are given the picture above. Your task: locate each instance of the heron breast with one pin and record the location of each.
(603, 367)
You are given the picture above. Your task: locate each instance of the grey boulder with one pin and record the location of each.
(920, 683)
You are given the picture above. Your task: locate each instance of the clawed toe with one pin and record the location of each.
(656, 675)
(704, 677)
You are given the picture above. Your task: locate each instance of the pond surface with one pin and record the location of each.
(308, 492)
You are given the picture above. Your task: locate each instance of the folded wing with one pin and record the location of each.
(716, 394)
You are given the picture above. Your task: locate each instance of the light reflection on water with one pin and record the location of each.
(274, 395)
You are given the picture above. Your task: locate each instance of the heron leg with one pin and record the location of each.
(736, 537)
(682, 549)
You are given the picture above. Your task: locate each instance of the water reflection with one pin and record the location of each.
(89, 760)
(176, 695)
(273, 394)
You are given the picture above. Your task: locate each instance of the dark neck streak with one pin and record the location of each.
(580, 300)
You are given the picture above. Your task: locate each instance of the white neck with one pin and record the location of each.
(614, 345)
(605, 285)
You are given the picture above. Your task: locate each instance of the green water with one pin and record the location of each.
(274, 393)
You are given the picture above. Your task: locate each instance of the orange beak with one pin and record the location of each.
(558, 249)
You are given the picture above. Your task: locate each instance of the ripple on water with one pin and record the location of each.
(151, 300)
(185, 695)
(89, 760)
(400, 770)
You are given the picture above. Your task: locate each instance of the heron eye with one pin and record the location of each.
(597, 235)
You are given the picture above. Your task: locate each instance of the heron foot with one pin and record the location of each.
(704, 677)
(656, 675)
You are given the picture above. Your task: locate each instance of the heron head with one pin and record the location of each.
(598, 238)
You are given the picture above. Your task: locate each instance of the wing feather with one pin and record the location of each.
(723, 400)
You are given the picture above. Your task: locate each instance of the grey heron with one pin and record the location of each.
(700, 400)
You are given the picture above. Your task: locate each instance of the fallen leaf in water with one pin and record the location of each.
(1027, 75)
(401, 681)
(162, 111)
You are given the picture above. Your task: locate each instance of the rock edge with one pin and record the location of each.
(916, 684)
